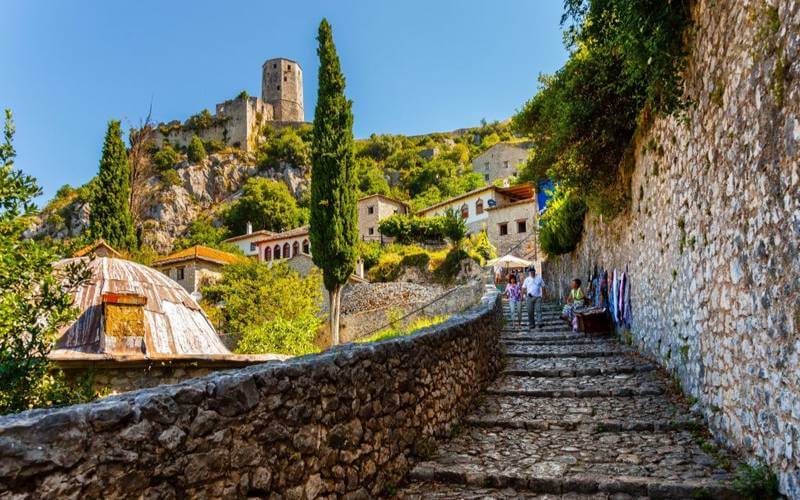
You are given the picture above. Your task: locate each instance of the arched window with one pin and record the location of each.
(277, 252)
(306, 247)
(286, 251)
(295, 248)
(479, 206)
(267, 254)
(464, 211)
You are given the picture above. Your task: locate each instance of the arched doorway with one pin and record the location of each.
(306, 247)
(277, 252)
(267, 254)
(286, 251)
(295, 248)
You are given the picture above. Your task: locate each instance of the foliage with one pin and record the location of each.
(413, 229)
(202, 232)
(447, 271)
(272, 308)
(171, 177)
(35, 301)
(371, 179)
(334, 224)
(442, 265)
(480, 248)
(370, 252)
(265, 203)
(285, 145)
(395, 331)
(756, 482)
(111, 217)
(166, 157)
(562, 223)
(200, 121)
(213, 145)
(196, 150)
(626, 61)
(454, 227)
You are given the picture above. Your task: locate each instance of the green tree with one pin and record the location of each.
(265, 203)
(202, 232)
(196, 151)
(284, 146)
(166, 157)
(110, 217)
(370, 177)
(270, 308)
(35, 302)
(334, 225)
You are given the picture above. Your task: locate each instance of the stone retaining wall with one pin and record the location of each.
(711, 241)
(347, 421)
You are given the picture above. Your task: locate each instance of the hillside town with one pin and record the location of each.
(594, 297)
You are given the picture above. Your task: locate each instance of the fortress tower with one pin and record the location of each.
(282, 88)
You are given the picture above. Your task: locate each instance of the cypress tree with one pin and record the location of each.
(334, 217)
(110, 216)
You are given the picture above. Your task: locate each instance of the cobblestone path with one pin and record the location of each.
(579, 417)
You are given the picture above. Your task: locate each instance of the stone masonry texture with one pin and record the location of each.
(344, 423)
(711, 238)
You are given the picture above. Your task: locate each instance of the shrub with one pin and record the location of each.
(265, 203)
(196, 151)
(420, 260)
(562, 223)
(166, 157)
(284, 146)
(413, 229)
(448, 270)
(756, 482)
(480, 248)
(171, 177)
(213, 145)
(387, 269)
(200, 121)
(370, 253)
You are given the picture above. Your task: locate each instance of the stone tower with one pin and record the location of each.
(282, 87)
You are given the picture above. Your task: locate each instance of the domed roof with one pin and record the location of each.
(173, 322)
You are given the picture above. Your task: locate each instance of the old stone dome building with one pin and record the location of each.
(130, 309)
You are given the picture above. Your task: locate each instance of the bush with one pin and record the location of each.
(413, 229)
(286, 145)
(387, 269)
(562, 223)
(196, 151)
(420, 260)
(267, 204)
(171, 177)
(200, 121)
(370, 253)
(213, 145)
(448, 270)
(480, 248)
(166, 157)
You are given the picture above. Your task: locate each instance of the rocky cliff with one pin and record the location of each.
(165, 210)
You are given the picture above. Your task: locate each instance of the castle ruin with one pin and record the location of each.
(238, 122)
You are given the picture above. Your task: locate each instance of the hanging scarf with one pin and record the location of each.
(628, 315)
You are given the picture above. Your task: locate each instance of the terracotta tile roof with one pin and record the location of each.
(261, 232)
(199, 252)
(519, 192)
(94, 246)
(292, 233)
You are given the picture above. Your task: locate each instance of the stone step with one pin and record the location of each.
(421, 490)
(575, 367)
(604, 349)
(564, 340)
(639, 413)
(544, 337)
(645, 383)
(666, 464)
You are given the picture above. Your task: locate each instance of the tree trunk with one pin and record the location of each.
(335, 302)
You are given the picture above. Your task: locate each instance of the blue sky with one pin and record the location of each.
(411, 66)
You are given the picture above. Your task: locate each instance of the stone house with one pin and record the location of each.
(238, 122)
(373, 209)
(511, 228)
(247, 241)
(99, 249)
(279, 246)
(195, 266)
(501, 161)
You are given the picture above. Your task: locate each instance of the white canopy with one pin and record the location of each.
(509, 261)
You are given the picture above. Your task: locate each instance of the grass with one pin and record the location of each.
(418, 324)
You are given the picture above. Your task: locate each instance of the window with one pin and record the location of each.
(505, 164)
(277, 252)
(274, 65)
(289, 67)
(464, 211)
(267, 254)
(279, 87)
(306, 247)
(503, 228)
(371, 210)
(522, 226)
(179, 274)
(479, 206)
(295, 248)
(284, 78)
(286, 251)
(252, 246)
(371, 231)
(486, 177)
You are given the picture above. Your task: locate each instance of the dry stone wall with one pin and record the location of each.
(345, 422)
(711, 240)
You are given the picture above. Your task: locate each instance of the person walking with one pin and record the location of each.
(534, 293)
(514, 294)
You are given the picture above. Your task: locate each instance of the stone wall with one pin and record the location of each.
(347, 421)
(711, 239)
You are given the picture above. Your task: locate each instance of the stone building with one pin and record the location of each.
(512, 228)
(501, 161)
(373, 209)
(99, 249)
(284, 245)
(195, 266)
(238, 122)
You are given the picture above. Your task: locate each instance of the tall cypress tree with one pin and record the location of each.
(110, 216)
(334, 216)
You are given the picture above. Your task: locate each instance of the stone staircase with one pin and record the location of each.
(576, 417)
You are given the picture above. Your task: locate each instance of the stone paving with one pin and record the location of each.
(574, 417)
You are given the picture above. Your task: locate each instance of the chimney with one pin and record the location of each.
(249, 228)
(124, 323)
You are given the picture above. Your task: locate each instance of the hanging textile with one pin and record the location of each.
(613, 297)
(628, 318)
(623, 281)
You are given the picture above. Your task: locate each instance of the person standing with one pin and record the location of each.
(514, 294)
(534, 293)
